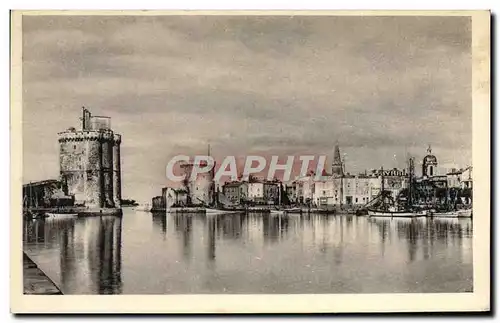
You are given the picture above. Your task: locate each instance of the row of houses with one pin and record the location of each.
(357, 190)
(256, 192)
(345, 190)
(337, 188)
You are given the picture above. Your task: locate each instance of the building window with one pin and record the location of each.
(356, 200)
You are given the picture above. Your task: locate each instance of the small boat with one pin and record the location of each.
(60, 215)
(293, 210)
(465, 213)
(220, 211)
(446, 214)
(397, 214)
(277, 212)
(143, 208)
(30, 215)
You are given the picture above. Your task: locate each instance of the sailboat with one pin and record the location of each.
(219, 206)
(449, 210)
(382, 208)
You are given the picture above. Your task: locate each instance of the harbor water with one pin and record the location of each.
(145, 253)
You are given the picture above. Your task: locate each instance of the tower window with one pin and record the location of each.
(431, 169)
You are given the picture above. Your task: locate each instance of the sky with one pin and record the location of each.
(379, 87)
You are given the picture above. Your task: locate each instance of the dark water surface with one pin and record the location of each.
(145, 253)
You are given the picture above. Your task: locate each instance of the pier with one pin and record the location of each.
(36, 282)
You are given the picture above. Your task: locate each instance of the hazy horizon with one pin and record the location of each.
(380, 87)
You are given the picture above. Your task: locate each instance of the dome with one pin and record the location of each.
(430, 159)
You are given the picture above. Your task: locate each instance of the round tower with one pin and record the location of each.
(429, 164)
(90, 163)
(81, 166)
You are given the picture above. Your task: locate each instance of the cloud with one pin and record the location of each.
(286, 84)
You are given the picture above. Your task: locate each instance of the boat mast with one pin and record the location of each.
(213, 193)
(382, 186)
(279, 194)
(410, 190)
(342, 167)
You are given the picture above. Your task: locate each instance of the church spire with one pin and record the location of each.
(337, 167)
(336, 156)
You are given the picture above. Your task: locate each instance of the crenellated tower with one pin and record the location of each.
(89, 161)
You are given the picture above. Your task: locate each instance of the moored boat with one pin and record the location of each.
(384, 205)
(293, 210)
(446, 214)
(465, 213)
(396, 214)
(60, 215)
(220, 211)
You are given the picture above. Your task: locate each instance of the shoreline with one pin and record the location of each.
(81, 211)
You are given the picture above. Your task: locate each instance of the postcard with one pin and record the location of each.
(250, 161)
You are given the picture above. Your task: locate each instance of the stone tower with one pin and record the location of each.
(90, 162)
(202, 188)
(337, 167)
(429, 164)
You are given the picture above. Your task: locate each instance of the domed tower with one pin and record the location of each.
(89, 162)
(429, 164)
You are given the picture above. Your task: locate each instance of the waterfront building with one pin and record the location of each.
(466, 178)
(90, 166)
(354, 190)
(323, 192)
(158, 203)
(235, 191)
(304, 187)
(453, 178)
(46, 194)
(256, 192)
(174, 196)
(291, 192)
(271, 192)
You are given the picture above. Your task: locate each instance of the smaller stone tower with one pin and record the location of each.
(429, 164)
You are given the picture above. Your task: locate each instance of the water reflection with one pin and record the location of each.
(160, 220)
(89, 251)
(256, 253)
